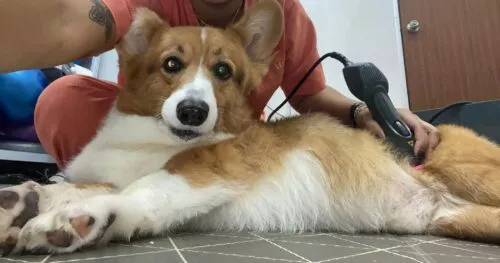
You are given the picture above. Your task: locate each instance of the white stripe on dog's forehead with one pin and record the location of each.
(203, 35)
(200, 84)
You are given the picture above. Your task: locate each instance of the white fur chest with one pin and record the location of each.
(125, 149)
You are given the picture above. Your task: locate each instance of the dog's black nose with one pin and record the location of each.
(192, 112)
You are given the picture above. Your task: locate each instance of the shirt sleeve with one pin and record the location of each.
(300, 51)
(122, 11)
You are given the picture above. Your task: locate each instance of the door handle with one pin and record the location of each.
(413, 26)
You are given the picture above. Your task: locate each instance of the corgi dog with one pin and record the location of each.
(180, 150)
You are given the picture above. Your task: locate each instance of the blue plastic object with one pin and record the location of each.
(19, 92)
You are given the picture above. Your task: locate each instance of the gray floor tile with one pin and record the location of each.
(448, 253)
(322, 239)
(236, 234)
(23, 259)
(218, 257)
(320, 252)
(380, 241)
(468, 246)
(152, 243)
(111, 251)
(258, 248)
(375, 257)
(156, 257)
(285, 235)
(197, 240)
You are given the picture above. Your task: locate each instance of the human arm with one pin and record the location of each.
(38, 34)
(315, 95)
(300, 54)
(333, 102)
(326, 100)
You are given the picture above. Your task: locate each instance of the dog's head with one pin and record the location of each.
(196, 80)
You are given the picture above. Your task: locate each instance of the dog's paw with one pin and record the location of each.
(67, 229)
(18, 204)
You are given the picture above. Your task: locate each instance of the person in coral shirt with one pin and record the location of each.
(70, 110)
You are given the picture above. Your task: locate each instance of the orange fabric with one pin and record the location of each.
(70, 110)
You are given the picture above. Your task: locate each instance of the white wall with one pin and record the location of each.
(108, 68)
(363, 30)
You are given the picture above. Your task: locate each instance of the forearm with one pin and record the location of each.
(38, 34)
(328, 100)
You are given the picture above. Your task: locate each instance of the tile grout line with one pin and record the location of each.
(282, 248)
(322, 244)
(424, 254)
(468, 245)
(368, 252)
(219, 244)
(350, 256)
(242, 256)
(421, 242)
(360, 254)
(383, 249)
(463, 249)
(195, 247)
(177, 250)
(141, 246)
(416, 248)
(456, 256)
(223, 235)
(46, 259)
(380, 237)
(17, 260)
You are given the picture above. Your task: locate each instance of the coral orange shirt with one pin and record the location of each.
(295, 53)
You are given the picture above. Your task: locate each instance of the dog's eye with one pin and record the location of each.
(173, 65)
(222, 71)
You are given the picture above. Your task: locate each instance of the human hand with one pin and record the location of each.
(426, 135)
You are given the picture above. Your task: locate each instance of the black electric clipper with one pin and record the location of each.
(368, 83)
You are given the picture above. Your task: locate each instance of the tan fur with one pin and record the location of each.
(262, 148)
(463, 164)
(474, 223)
(349, 181)
(468, 164)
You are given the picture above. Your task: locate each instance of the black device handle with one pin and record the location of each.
(368, 83)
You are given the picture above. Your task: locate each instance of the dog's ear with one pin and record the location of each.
(261, 28)
(144, 25)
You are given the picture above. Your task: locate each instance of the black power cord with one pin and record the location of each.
(434, 117)
(368, 84)
(335, 55)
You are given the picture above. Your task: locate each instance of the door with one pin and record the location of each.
(451, 50)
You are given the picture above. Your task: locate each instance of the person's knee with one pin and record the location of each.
(69, 93)
(54, 97)
(69, 111)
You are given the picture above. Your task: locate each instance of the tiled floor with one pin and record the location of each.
(253, 248)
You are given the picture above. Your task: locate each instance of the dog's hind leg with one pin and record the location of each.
(470, 222)
(468, 164)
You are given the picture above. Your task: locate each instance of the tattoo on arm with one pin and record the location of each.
(100, 14)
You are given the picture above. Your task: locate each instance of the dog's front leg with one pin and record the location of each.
(150, 205)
